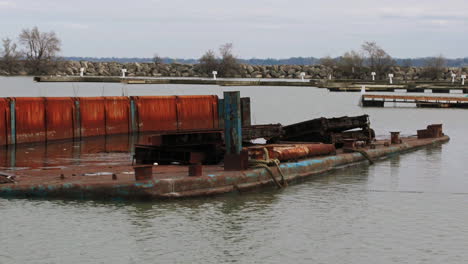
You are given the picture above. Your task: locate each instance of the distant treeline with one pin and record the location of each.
(417, 62)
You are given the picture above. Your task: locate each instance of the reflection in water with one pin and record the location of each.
(63, 153)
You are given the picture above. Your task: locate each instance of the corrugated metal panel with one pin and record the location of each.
(117, 115)
(92, 115)
(156, 113)
(30, 119)
(59, 117)
(197, 112)
(4, 131)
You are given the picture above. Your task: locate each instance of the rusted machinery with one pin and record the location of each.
(330, 130)
(207, 146)
(432, 131)
(196, 147)
(231, 142)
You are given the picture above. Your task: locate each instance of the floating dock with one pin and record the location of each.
(142, 80)
(381, 86)
(372, 100)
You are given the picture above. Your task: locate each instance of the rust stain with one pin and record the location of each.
(59, 117)
(285, 152)
(197, 112)
(156, 113)
(117, 115)
(4, 119)
(118, 143)
(30, 119)
(30, 156)
(92, 114)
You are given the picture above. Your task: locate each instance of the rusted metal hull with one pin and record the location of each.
(174, 182)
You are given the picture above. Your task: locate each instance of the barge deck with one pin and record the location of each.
(170, 181)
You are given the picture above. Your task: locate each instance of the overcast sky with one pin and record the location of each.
(257, 28)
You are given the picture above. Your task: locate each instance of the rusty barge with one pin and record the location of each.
(209, 161)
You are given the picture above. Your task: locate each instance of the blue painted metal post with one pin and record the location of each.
(232, 123)
(235, 158)
(133, 135)
(221, 113)
(133, 117)
(12, 142)
(13, 122)
(77, 120)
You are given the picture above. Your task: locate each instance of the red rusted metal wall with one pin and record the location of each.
(4, 119)
(59, 117)
(30, 120)
(92, 116)
(42, 119)
(156, 113)
(197, 112)
(117, 115)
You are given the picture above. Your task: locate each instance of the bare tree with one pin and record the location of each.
(328, 62)
(377, 59)
(406, 64)
(10, 57)
(229, 66)
(351, 63)
(40, 49)
(208, 62)
(157, 59)
(434, 66)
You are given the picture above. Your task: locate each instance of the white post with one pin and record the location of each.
(363, 89)
(463, 77)
(329, 76)
(303, 75)
(214, 74)
(81, 72)
(453, 77)
(390, 76)
(123, 72)
(373, 75)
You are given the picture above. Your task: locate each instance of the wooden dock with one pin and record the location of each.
(408, 87)
(146, 80)
(373, 100)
